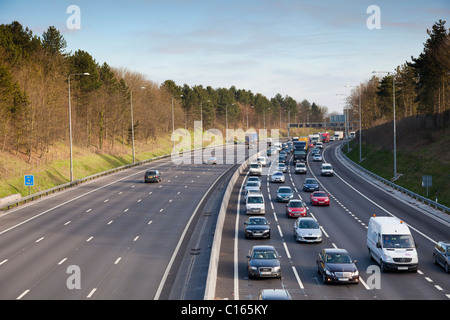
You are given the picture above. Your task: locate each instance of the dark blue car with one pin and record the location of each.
(310, 184)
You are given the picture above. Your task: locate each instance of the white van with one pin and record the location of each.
(255, 169)
(254, 204)
(391, 244)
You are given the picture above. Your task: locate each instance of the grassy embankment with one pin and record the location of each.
(413, 162)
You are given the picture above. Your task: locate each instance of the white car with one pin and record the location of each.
(277, 176)
(319, 145)
(255, 169)
(282, 167)
(212, 160)
(300, 167)
(262, 160)
(254, 179)
(326, 170)
(317, 157)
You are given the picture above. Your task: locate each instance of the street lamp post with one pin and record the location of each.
(132, 123)
(395, 133)
(70, 124)
(360, 128)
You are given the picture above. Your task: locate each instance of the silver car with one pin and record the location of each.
(277, 176)
(306, 229)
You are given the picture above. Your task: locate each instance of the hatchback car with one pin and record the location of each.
(306, 229)
(295, 208)
(282, 167)
(152, 176)
(300, 167)
(262, 160)
(441, 255)
(277, 176)
(310, 184)
(252, 185)
(254, 179)
(263, 262)
(336, 265)
(319, 198)
(284, 194)
(257, 227)
(326, 170)
(317, 157)
(255, 169)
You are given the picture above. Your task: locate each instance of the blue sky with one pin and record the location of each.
(304, 49)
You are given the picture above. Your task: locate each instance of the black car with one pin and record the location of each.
(310, 184)
(336, 265)
(257, 227)
(263, 262)
(152, 176)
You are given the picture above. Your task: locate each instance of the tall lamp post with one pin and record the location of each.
(360, 128)
(70, 124)
(132, 123)
(393, 102)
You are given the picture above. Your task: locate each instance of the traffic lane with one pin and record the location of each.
(304, 255)
(414, 216)
(160, 185)
(351, 202)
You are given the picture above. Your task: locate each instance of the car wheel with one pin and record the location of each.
(382, 266)
(324, 278)
(447, 268)
(434, 259)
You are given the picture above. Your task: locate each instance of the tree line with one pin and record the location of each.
(35, 73)
(421, 85)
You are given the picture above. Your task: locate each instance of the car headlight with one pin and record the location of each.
(254, 268)
(329, 273)
(356, 273)
(276, 269)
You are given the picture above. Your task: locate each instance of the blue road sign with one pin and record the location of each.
(29, 180)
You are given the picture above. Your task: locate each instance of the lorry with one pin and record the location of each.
(391, 245)
(299, 155)
(324, 137)
(338, 135)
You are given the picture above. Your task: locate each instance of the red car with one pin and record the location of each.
(295, 208)
(320, 198)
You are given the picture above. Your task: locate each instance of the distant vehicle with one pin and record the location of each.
(352, 135)
(255, 179)
(284, 194)
(212, 160)
(319, 198)
(274, 294)
(336, 265)
(252, 185)
(261, 160)
(251, 138)
(310, 184)
(254, 204)
(325, 137)
(257, 227)
(295, 208)
(263, 262)
(282, 167)
(390, 243)
(317, 157)
(326, 170)
(277, 176)
(249, 192)
(306, 229)
(300, 167)
(255, 169)
(319, 145)
(281, 158)
(315, 151)
(299, 155)
(441, 255)
(338, 135)
(152, 176)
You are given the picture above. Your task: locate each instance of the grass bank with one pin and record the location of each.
(413, 162)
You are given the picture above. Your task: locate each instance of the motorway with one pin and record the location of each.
(119, 238)
(115, 237)
(344, 223)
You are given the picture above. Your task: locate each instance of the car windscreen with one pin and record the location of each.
(253, 199)
(308, 224)
(296, 204)
(397, 241)
(338, 258)
(320, 194)
(257, 221)
(268, 254)
(310, 181)
(255, 165)
(284, 190)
